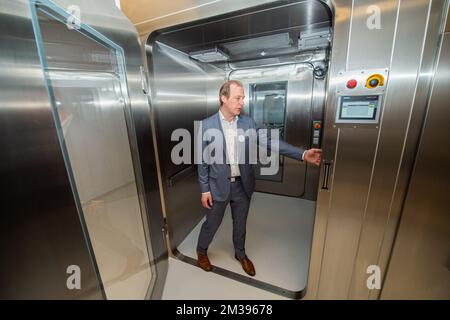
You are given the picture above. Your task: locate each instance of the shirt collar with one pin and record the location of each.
(222, 117)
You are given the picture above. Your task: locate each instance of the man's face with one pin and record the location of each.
(235, 103)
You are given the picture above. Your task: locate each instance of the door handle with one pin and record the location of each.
(326, 175)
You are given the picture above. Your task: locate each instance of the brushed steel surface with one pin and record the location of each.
(396, 121)
(370, 165)
(424, 230)
(105, 18)
(361, 77)
(447, 24)
(41, 232)
(371, 48)
(341, 27)
(183, 91)
(110, 205)
(351, 178)
(435, 23)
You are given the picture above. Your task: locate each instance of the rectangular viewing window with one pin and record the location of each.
(268, 103)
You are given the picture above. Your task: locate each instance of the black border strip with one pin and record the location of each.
(244, 279)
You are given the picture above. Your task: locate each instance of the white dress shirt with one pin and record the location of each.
(230, 131)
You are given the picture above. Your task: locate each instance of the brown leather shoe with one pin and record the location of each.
(203, 262)
(247, 265)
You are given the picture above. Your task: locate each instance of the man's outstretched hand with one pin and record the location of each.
(313, 156)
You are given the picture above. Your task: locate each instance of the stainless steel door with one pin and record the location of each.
(41, 233)
(181, 92)
(87, 82)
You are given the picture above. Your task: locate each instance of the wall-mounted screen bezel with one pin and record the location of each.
(372, 119)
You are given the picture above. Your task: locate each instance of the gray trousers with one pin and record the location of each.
(240, 204)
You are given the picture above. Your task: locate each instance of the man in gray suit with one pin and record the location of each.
(233, 181)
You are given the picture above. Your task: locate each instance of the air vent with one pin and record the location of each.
(261, 45)
(210, 55)
(314, 39)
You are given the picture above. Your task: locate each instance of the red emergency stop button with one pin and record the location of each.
(351, 83)
(317, 126)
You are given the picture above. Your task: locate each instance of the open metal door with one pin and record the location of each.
(94, 76)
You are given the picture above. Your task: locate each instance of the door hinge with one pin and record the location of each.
(144, 80)
(165, 228)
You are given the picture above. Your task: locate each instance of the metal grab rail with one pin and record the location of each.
(181, 174)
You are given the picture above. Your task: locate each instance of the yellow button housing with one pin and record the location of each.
(378, 77)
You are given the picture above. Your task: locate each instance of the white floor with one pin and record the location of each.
(187, 282)
(114, 223)
(279, 235)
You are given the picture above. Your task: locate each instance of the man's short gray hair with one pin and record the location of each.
(225, 88)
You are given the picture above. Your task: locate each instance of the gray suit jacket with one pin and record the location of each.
(215, 177)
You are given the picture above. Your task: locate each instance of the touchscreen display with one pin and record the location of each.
(354, 109)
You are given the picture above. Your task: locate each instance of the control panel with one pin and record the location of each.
(317, 127)
(360, 96)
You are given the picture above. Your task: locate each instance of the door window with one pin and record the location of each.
(268, 109)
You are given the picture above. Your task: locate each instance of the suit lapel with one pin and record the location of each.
(241, 129)
(224, 144)
(240, 123)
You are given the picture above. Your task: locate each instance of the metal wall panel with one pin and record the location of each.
(342, 10)
(424, 231)
(401, 102)
(352, 173)
(371, 48)
(354, 153)
(355, 218)
(414, 129)
(183, 91)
